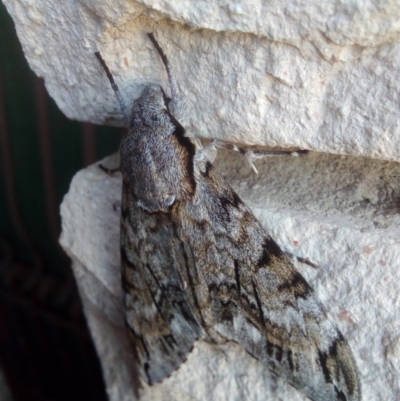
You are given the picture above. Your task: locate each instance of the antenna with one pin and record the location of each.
(120, 99)
(173, 85)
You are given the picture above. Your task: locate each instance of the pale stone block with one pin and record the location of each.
(320, 75)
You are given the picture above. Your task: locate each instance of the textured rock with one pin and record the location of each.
(319, 75)
(339, 211)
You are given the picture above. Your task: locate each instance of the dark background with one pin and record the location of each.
(46, 351)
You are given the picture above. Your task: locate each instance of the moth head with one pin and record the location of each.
(156, 156)
(150, 107)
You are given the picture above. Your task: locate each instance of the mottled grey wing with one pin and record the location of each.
(247, 290)
(160, 323)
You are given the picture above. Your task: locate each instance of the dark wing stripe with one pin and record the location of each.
(146, 369)
(340, 395)
(124, 213)
(297, 284)
(206, 173)
(323, 358)
(125, 259)
(159, 285)
(191, 285)
(290, 359)
(138, 338)
(270, 248)
(237, 277)
(258, 301)
(170, 340)
(159, 310)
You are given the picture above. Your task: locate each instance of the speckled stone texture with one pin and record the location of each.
(321, 75)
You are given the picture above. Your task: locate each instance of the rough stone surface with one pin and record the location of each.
(321, 75)
(339, 211)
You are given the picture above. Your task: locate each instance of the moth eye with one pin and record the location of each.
(158, 204)
(169, 200)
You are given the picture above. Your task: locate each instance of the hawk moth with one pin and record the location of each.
(196, 263)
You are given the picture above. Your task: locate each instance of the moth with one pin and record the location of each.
(196, 263)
